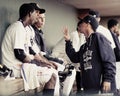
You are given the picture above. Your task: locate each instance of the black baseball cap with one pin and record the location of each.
(94, 13)
(37, 7)
(92, 21)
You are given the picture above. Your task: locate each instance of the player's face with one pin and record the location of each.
(34, 16)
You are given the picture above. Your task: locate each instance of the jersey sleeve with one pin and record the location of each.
(19, 37)
(70, 51)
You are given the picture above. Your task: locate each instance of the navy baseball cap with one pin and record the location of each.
(37, 7)
(92, 21)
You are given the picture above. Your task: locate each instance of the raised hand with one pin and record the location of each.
(66, 34)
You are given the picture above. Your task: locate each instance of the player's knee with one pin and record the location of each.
(51, 83)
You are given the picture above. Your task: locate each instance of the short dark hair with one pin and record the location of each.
(94, 13)
(111, 23)
(25, 9)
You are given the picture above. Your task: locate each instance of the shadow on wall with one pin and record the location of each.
(4, 23)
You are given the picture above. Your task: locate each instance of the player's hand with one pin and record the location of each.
(66, 34)
(106, 86)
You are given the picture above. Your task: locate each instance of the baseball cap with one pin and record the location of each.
(37, 7)
(94, 13)
(92, 21)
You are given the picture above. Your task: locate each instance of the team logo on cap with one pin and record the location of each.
(89, 21)
(94, 16)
